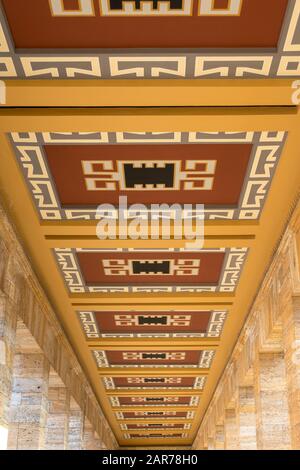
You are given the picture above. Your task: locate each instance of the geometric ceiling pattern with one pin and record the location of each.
(155, 383)
(176, 324)
(127, 402)
(157, 359)
(70, 174)
(193, 39)
(96, 271)
(152, 321)
(155, 415)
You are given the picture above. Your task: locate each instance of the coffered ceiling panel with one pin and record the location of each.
(70, 174)
(150, 39)
(154, 383)
(176, 324)
(156, 436)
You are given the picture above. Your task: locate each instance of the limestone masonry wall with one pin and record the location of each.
(46, 401)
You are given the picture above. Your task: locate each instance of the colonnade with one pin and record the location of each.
(46, 401)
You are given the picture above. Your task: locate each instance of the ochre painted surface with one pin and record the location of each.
(149, 357)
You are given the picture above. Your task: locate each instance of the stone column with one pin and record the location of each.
(247, 418)
(58, 414)
(22, 297)
(291, 339)
(220, 437)
(102, 435)
(211, 442)
(273, 425)
(89, 439)
(28, 405)
(8, 324)
(205, 438)
(231, 430)
(75, 429)
(205, 446)
(199, 443)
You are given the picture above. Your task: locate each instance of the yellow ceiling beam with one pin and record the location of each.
(163, 407)
(168, 92)
(80, 231)
(156, 307)
(189, 119)
(153, 372)
(146, 347)
(203, 298)
(146, 420)
(164, 432)
(94, 242)
(187, 372)
(107, 343)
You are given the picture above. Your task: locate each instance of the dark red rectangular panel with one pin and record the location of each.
(258, 25)
(152, 322)
(143, 268)
(82, 180)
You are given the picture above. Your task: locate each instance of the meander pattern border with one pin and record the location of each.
(156, 63)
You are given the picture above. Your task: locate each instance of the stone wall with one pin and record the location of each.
(46, 401)
(256, 404)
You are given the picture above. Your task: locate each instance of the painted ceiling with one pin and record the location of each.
(70, 174)
(147, 380)
(152, 321)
